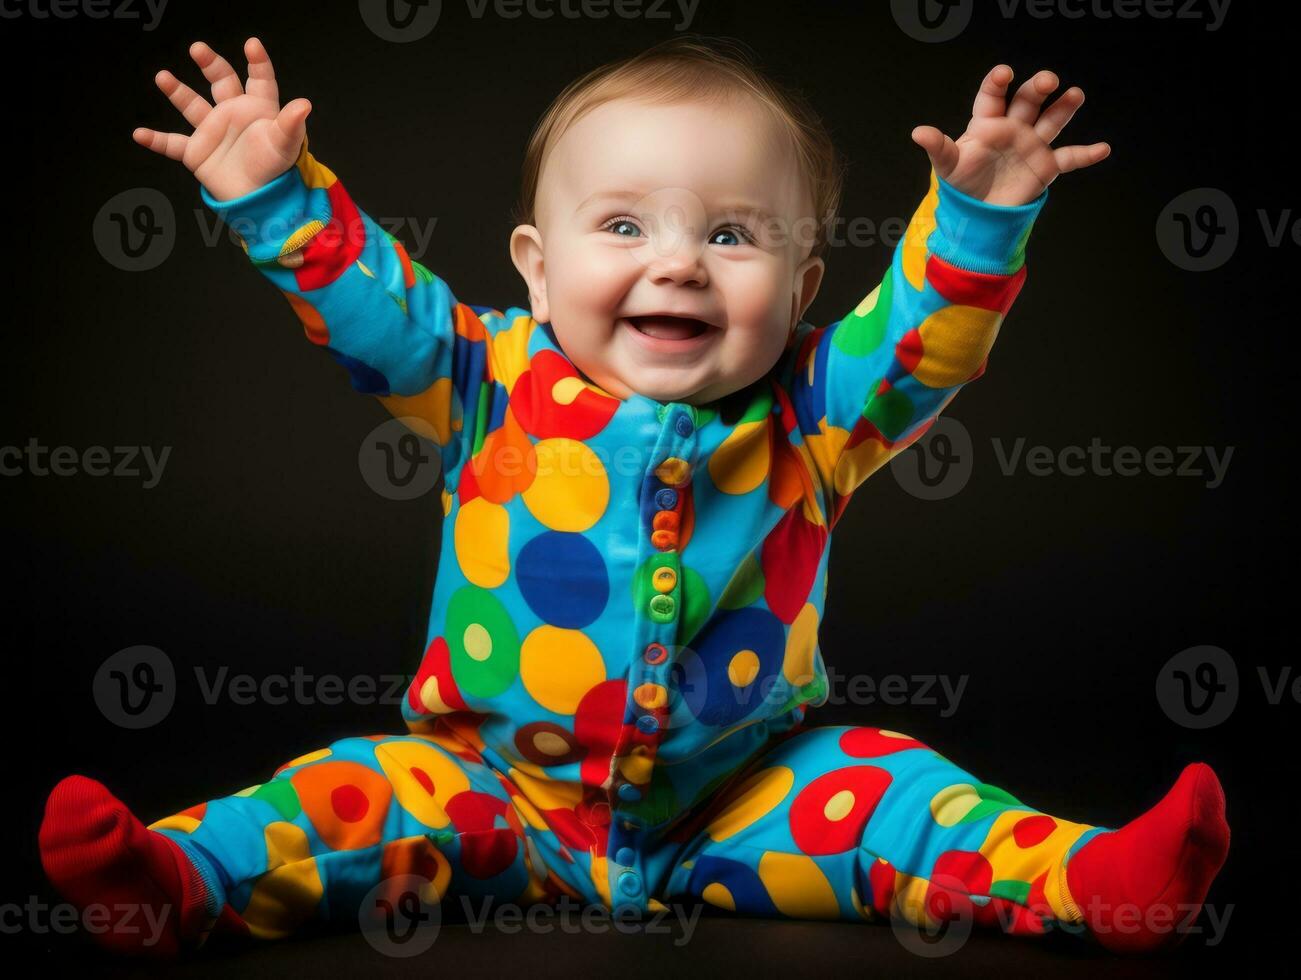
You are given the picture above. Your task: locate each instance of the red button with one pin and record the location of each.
(655, 653)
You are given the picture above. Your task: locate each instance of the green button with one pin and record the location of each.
(662, 608)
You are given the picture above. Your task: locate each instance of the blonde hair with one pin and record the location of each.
(693, 68)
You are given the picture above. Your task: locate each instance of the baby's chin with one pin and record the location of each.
(688, 394)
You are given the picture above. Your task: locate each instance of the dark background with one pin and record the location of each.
(262, 549)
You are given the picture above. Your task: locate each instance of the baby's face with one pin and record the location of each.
(691, 210)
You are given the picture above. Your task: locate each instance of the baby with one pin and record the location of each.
(642, 473)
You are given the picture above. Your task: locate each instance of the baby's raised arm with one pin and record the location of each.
(393, 324)
(872, 383)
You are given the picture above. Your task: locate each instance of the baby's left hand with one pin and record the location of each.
(1005, 156)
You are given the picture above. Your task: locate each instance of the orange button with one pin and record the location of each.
(665, 540)
(666, 520)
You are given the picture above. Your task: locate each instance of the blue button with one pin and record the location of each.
(666, 499)
(648, 724)
(683, 425)
(629, 883)
(626, 856)
(629, 792)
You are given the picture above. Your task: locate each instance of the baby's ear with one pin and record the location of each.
(526, 253)
(808, 280)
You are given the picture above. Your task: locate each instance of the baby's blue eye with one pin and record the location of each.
(726, 231)
(624, 223)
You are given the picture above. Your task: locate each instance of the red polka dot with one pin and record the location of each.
(1033, 830)
(422, 777)
(349, 803)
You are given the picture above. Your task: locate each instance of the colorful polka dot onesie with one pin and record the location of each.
(623, 642)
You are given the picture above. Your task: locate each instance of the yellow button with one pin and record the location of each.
(674, 471)
(665, 578)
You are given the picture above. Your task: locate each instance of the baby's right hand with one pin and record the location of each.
(243, 141)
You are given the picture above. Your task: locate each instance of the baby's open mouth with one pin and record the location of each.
(668, 327)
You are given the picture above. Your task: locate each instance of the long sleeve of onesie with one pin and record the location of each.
(871, 384)
(394, 325)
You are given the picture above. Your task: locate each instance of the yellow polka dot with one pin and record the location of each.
(952, 803)
(839, 806)
(398, 758)
(743, 668)
(797, 886)
(478, 644)
(549, 743)
(869, 302)
(559, 666)
(564, 391)
(756, 797)
(801, 647)
(287, 894)
(857, 464)
(674, 471)
(718, 895)
(955, 339)
(309, 757)
(482, 536)
(637, 765)
(431, 699)
(742, 462)
(570, 490)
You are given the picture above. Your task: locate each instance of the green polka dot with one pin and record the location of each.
(280, 793)
(760, 408)
(890, 412)
(483, 642)
(1015, 891)
(858, 336)
(694, 604)
(992, 801)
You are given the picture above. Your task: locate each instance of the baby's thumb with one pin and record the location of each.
(941, 150)
(291, 125)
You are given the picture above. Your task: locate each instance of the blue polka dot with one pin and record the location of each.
(543, 561)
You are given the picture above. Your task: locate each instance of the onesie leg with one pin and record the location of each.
(311, 844)
(861, 823)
